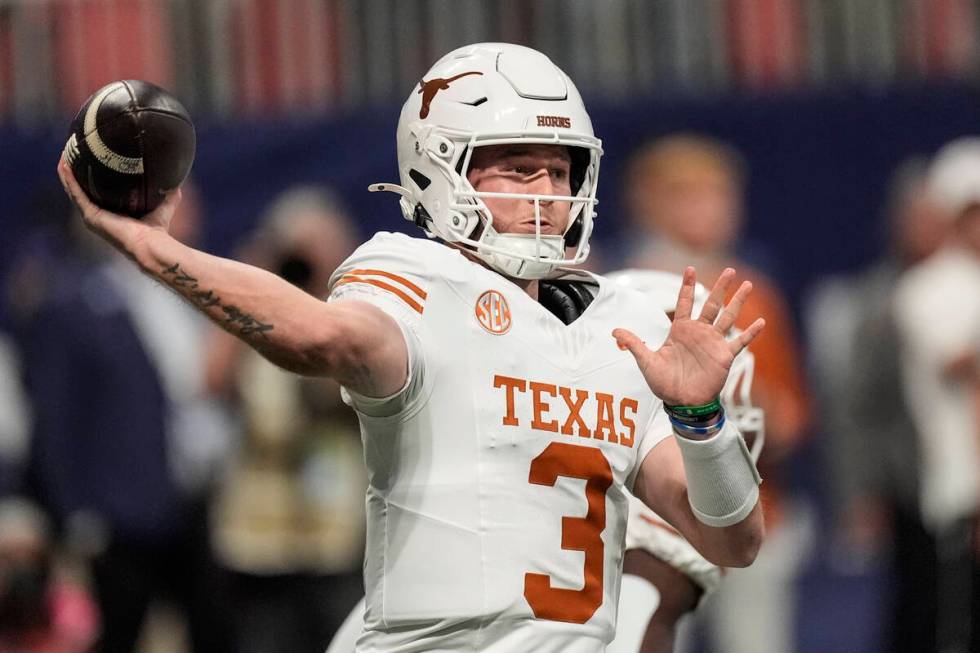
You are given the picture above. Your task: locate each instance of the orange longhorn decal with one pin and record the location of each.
(428, 89)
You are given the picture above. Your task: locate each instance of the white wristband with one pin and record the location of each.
(722, 481)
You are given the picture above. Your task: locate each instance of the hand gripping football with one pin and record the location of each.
(130, 144)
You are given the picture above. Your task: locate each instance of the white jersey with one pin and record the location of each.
(495, 513)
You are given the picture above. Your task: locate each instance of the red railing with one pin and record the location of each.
(235, 58)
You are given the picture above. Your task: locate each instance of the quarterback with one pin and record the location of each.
(504, 400)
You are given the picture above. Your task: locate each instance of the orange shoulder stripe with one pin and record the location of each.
(394, 277)
(350, 278)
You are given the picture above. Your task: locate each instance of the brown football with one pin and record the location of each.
(130, 144)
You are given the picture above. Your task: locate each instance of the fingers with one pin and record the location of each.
(627, 340)
(742, 340)
(75, 191)
(731, 312)
(685, 298)
(716, 299)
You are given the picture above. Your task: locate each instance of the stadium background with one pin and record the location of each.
(822, 97)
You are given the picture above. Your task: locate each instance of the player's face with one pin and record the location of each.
(532, 169)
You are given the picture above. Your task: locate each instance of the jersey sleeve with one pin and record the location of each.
(386, 273)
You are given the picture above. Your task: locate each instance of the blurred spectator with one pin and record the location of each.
(125, 440)
(14, 420)
(684, 194)
(290, 523)
(937, 310)
(42, 610)
(871, 443)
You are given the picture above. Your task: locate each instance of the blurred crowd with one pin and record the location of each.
(154, 471)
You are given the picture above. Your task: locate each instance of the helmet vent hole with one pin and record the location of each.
(475, 103)
(420, 180)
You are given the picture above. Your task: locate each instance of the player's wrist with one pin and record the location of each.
(148, 245)
(696, 422)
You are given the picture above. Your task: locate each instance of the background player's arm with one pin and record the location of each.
(354, 342)
(662, 485)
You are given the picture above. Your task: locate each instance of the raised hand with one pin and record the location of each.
(691, 366)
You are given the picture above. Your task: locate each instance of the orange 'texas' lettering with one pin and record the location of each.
(626, 439)
(605, 419)
(541, 407)
(510, 383)
(574, 411)
(575, 401)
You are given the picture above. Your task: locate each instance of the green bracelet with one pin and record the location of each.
(694, 411)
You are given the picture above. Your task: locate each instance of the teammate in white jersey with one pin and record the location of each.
(500, 412)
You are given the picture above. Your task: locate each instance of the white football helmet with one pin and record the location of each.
(662, 288)
(493, 94)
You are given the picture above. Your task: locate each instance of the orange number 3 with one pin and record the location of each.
(577, 533)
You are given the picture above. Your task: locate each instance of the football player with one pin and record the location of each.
(504, 401)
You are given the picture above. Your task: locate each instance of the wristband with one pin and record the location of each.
(696, 431)
(698, 413)
(722, 480)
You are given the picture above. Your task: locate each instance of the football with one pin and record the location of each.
(130, 144)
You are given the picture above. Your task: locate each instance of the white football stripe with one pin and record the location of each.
(125, 164)
(71, 149)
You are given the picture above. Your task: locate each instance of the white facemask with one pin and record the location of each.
(494, 247)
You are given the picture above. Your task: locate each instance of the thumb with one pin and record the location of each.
(627, 340)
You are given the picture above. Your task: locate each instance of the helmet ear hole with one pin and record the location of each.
(420, 180)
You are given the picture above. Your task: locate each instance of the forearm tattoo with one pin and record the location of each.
(234, 319)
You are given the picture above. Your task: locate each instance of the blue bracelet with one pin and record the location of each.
(698, 432)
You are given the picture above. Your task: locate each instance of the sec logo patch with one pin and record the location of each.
(493, 313)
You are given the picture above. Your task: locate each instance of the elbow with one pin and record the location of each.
(322, 354)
